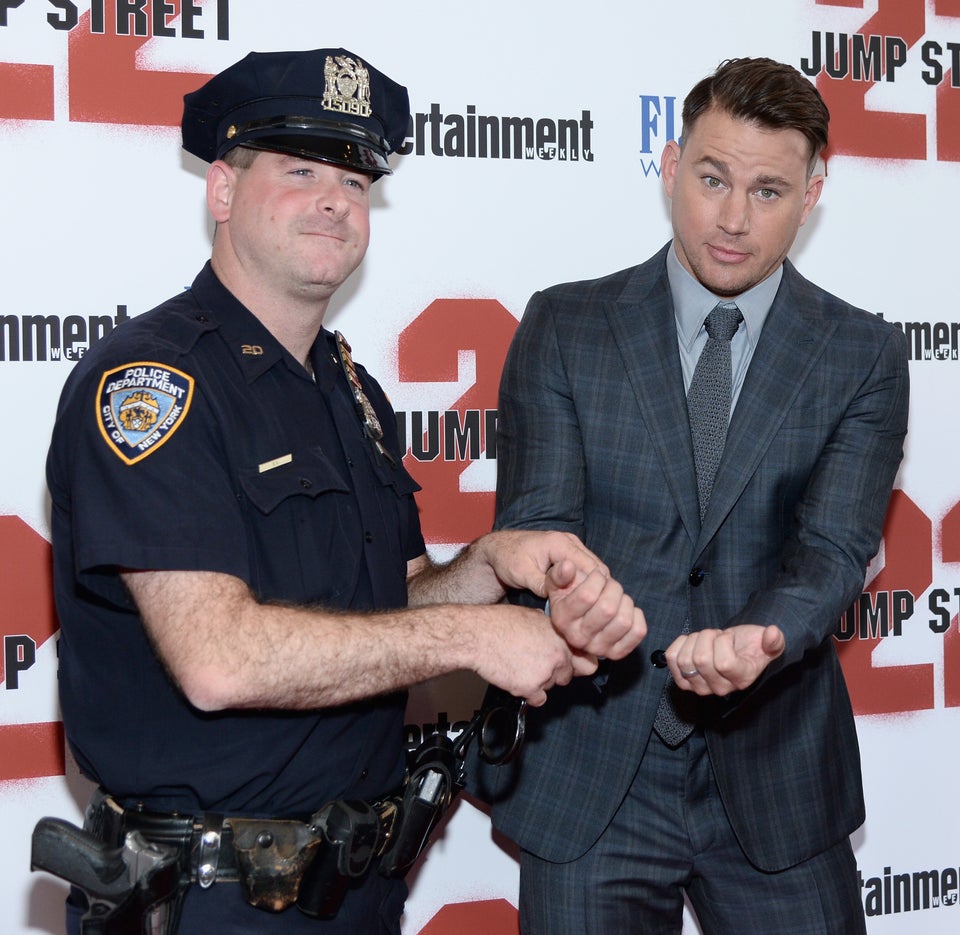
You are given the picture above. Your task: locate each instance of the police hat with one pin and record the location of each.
(327, 104)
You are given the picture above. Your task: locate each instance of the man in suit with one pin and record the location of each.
(748, 807)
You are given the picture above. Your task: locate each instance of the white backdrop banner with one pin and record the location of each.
(532, 158)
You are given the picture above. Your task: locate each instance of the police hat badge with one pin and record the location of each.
(325, 104)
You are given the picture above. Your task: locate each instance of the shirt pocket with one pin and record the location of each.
(308, 473)
(304, 530)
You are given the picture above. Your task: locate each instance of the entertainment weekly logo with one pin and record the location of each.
(897, 891)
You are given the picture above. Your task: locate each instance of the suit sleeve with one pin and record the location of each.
(838, 520)
(540, 458)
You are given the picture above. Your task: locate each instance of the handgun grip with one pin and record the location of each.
(76, 856)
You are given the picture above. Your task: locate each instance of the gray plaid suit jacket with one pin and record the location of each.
(594, 439)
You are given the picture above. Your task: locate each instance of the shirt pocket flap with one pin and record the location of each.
(307, 473)
(397, 477)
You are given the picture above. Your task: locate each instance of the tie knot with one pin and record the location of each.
(723, 321)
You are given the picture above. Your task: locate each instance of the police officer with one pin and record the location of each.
(241, 581)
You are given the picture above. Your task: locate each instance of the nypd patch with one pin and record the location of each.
(140, 406)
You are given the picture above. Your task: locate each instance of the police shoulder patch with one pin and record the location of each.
(140, 406)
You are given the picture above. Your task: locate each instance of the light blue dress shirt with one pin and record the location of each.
(692, 302)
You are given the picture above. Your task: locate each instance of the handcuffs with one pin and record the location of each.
(396, 829)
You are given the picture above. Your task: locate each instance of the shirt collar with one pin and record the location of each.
(252, 344)
(692, 301)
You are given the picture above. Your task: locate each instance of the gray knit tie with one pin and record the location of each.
(708, 406)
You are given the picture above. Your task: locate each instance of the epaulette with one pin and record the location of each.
(183, 322)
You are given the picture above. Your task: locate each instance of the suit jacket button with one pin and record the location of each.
(695, 577)
(659, 659)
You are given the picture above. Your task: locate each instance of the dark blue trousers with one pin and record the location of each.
(671, 836)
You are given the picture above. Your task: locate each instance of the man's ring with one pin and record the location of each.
(690, 674)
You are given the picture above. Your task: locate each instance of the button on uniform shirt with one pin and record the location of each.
(265, 475)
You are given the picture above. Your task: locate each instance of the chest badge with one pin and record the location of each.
(364, 408)
(139, 407)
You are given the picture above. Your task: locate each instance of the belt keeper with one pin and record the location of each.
(208, 853)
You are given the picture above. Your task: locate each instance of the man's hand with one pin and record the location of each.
(588, 608)
(518, 650)
(718, 662)
(593, 613)
(521, 558)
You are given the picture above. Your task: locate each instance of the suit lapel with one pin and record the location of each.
(794, 336)
(643, 324)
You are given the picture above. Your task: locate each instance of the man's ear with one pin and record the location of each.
(669, 161)
(221, 180)
(811, 197)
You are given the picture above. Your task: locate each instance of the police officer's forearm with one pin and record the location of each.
(514, 558)
(467, 579)
(225, 650)
(590, 610)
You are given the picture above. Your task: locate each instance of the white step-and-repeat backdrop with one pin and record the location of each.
(532, 158)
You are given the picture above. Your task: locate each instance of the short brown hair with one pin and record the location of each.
(764, 92)
(240, 157)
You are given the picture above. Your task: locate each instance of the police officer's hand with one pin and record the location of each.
(519, 651)
(523, 558)
(592, 612)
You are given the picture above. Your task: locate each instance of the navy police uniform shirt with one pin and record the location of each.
(189, 439)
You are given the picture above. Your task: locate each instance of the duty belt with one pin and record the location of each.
(134, 865)
(268, 857)
(208, 843)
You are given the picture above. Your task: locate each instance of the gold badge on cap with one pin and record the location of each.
(367, 414)
(347, 88)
